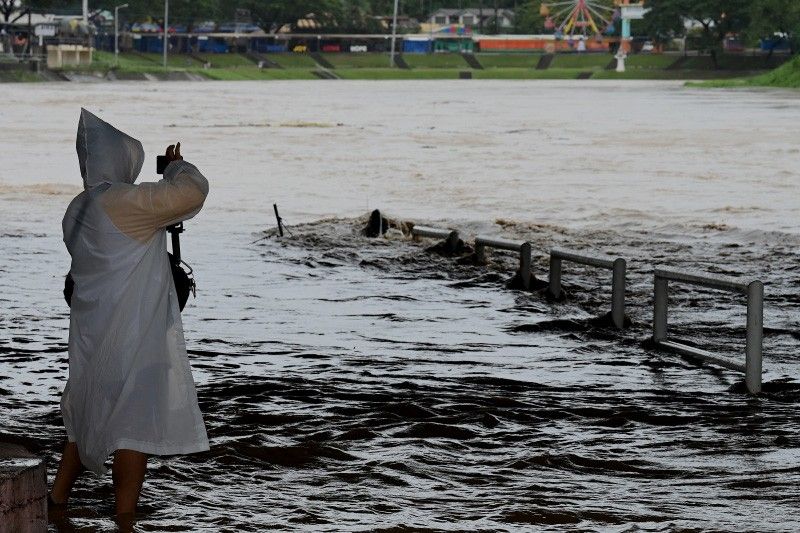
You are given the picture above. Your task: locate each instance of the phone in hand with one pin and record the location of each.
(161, 164)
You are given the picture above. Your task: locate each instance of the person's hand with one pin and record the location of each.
(173, 153)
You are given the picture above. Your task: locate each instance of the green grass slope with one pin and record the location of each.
(19, 76)
(358, 60)
(786, 76)
(433, 61)
(584, 61)
(518, 60)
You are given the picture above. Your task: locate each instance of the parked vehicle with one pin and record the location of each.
(208, 26)
(240, 27)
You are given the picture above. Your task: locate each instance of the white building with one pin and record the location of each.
(472, 17)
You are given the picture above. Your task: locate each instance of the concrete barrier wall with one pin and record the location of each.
(23, 491)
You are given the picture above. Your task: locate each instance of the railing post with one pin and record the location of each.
(452, 242)
(755, 334)
(660, 310)
(480, 253)
(618, 293)
(555, 276)
(525, 265)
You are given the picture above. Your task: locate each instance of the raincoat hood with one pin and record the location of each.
(105, 154)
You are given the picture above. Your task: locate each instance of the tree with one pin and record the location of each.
(527, 17)
(9, 7)
(355, 16)
(662, 23)
(279, 12)
(717, 19)
(770, 16)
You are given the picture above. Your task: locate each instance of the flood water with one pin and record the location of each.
(367, 384)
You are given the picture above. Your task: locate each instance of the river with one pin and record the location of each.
(368, 384)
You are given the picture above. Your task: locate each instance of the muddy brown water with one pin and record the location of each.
(358, 384)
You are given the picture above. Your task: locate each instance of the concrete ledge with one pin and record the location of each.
(23, 491)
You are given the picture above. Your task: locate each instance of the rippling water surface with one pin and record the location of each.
(358, 384)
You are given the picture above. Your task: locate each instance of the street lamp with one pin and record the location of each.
(116, 32)
(394, 34)
(166, 31)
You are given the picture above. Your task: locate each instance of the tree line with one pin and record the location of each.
(749, 19)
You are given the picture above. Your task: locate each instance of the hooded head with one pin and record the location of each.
(105, 154)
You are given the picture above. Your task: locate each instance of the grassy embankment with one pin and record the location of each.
(786, 76)
(375, 66)
(222, 66)
(18, 76)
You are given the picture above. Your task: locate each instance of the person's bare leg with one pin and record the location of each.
(128, 474)
(69, 469)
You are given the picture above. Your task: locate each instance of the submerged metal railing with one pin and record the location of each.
(617, 266)
(523, 247)
(450, 237)
(754, 291)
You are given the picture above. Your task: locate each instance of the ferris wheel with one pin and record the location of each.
(579, 17)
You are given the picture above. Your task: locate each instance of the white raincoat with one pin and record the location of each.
(130, 385)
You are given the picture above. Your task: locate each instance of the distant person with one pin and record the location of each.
(130, 390)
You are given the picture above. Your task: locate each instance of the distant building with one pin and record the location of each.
(405, 24)
(472, 17)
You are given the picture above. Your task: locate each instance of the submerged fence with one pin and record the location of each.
(523, 247)
(754, 290)
(617, 266)
(450, 237)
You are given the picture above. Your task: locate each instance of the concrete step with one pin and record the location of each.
(325, 74)
(400, 62)
(472, 61)
(321, 61)
(203, 61)
(262, 60)
(53, 75)
(23, 491)
(545, 61)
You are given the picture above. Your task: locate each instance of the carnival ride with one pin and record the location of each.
(580, 18)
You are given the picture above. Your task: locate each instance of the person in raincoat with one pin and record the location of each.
(130, 390)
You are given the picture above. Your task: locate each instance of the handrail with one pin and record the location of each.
(450, 237)
(431, 233)
(582, 259)
(753, 289)
(523, 247)
(755, 320)
(617, 266)
(502, 244)
(711, 281)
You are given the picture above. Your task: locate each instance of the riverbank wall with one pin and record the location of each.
(23, 491)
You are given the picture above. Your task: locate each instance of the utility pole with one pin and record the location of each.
(86, 11)
(394, 34)
(116, 32)
(166, 31)
(431, 22)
